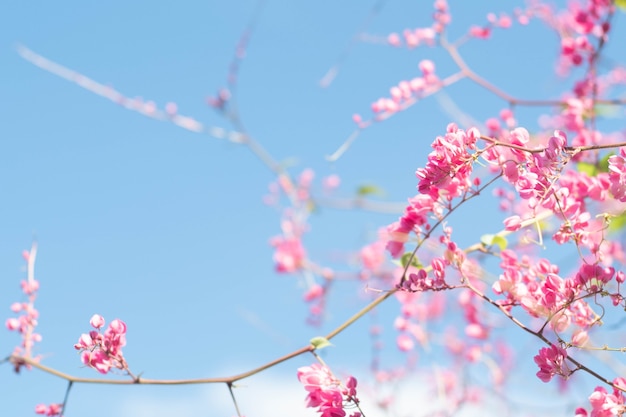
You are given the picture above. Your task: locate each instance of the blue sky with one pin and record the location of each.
(140, 220)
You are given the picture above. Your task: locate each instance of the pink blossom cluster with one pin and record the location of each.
(417, 308)
(540, 291)
(506, 158)
(289, 252)
(409, 330)
(49, 410)
(494, 125)
(541, 180)
(315, 296)
(290, 255)
(103, 351)
(617, 175)
(414, 220)
(327, 393)
(532, 173)
(503, 21)
(427, 35)
(538, 179)
(573, 117)
(579, 26)
(26, 321)
(424, 281)
(552, 361)
(405, 93)
(449, 166)
(605, 404)
(372, 256)
(474, 316)
(447, 175)
(421, 281)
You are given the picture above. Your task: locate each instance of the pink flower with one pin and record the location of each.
(480, 32)
(551, 361)
(393, 39)
(512, 223)
(26, 321)
(331, 182)
(605, 404)
(617, 175)
(449, 165)
(289, 255)
(117, 326)
(373, 255)
(97, 321)
(405, 343)
(12, 323)
(51, 410)
(315, 292)
(426, 66)
(326, 392)
(103, 351)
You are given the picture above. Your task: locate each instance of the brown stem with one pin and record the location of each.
(469, 73)
(574, 149)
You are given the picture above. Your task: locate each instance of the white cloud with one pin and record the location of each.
(259, 396)
(278, 396)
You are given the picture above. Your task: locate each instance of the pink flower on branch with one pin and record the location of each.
(425, 35)
(289, 251)
(326, 392)
(617, 175)
(605, 404)
(289, 254)
(449, 167)
(51, 410)
(551, 361)
(513, 223)
(422, 281)
(103, 351)
(406, 93)
(26, 321)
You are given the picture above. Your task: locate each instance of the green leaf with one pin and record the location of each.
(320, 342)
(500, 241)
(414, 261)
(606, 111)
(618, 222)
(594, 169)
(490, 240)
(603, 164)
(621, 4)
(587, 168)
(369, 189)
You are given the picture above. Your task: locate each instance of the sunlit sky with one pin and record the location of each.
(166, 229)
